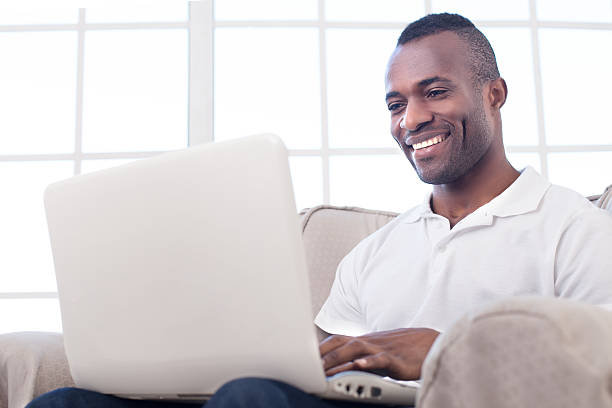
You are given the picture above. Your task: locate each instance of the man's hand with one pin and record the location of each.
(397, 353)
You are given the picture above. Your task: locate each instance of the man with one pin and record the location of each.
(486, 232)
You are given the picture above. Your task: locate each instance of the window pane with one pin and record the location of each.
(307, 177)
(30, 315)
(573, 110)
(572, 10)
(512, 47)
(266, 10)
(403, 11)
(377, 182)
(588, 173)
(38, 83)
(356, 64)
(521, 160)
(267, 81)
(88, 166)
(135, 90)
(484, 9)
(26, 261)
(135, 11)
(37, 13)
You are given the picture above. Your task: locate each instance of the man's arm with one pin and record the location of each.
(397, 353)
(583, 264)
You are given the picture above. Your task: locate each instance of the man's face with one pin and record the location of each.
(437, 114)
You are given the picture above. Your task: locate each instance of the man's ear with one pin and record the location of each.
(498, 92)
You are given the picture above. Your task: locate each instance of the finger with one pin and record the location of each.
(340, 368)
(332, 342)
(385, 364)
(349, 351)
(380, 362)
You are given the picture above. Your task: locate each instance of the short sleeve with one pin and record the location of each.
(341, 313)
(583, 264)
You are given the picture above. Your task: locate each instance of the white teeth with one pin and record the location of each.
(428, 142)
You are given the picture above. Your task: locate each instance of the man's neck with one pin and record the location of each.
(457, 200)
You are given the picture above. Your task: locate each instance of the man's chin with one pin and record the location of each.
(430, 176)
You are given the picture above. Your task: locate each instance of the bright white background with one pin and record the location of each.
(85, 89)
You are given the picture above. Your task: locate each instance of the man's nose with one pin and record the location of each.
(415, 116)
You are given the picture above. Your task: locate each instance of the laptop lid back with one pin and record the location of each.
(180, 272)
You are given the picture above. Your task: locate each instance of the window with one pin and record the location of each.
(314, 73)
(85, 89)
(82, 89)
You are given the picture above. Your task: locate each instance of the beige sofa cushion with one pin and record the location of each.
(31, 363)
(329, 233)
(524, 352)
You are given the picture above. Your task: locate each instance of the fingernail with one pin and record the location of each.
(361, 361)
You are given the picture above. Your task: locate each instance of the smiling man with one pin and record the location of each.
(486, 232)
(444, 94)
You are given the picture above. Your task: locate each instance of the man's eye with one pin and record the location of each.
(436, 92)
(394, 107)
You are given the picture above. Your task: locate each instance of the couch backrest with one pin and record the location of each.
(329, 233)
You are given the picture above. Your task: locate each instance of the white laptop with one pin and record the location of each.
(181, 272)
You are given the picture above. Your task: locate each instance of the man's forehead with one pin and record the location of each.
(442, 55)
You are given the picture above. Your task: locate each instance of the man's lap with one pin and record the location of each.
(78, 398)
(245, 392)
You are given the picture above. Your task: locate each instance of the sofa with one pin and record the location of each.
(525, 351)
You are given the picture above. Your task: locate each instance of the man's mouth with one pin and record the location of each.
(429, 142)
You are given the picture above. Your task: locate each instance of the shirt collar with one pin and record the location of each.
(422, 210)
(521, 197)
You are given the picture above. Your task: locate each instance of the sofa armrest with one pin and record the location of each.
(538, 352)
(31, 363)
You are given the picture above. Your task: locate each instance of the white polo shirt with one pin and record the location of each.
(533, 239)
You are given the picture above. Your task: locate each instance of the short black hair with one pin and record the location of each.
(481, 59)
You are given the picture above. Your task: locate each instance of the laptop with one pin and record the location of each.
(181, 272)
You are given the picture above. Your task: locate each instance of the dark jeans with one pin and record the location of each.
(245, 392)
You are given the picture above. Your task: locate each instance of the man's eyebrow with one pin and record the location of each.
(429, 81)
(422, 83)
(391, 94)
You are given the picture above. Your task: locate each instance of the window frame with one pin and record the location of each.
(200, 129)
(542, 149)
(201, 27)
